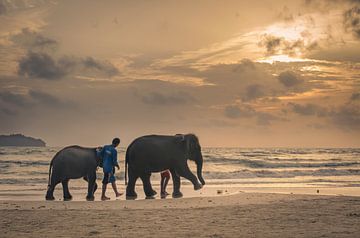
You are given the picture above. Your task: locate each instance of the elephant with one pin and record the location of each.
(156, 153)
(73, 162)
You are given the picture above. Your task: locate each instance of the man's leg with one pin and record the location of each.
(105, 182)
(112, 180)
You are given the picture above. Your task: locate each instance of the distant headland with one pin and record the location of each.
(20, 140)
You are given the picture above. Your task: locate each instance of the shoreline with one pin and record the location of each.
(37, 193)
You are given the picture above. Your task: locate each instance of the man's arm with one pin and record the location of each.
(115, 161)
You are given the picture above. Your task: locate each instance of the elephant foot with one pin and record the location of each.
(68, 198)
(90, 198)
(198, 186)
(177, 194)
(50, 198)
(131, 197)
(149, 197)
(154, 192)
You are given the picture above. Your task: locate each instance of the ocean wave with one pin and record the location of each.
(24, 162)
(245, 173)
(257, 163)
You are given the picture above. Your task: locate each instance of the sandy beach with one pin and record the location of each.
(240, 214)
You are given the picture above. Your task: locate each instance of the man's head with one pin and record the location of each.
(115, 142)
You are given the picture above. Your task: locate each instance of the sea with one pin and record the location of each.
(333, 171)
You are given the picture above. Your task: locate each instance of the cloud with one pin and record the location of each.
(8, 112)
(11, 98)
(3, 8)
(352, 20)
(355, 96)
(252, 92)
(43, 66)
(33, 40)
(347, 117)
(275, 45)
(32, 98)
(48, 99)
(156, 98)
(246, 111)
(234, 111)
(289, 79)
(265, 119)
(100, 66)
(308, 109)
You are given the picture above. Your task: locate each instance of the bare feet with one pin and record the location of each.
(104, 198)
(164, 195)
(118, 194)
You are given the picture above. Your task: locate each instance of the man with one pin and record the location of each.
(165, 177)
(109, 156)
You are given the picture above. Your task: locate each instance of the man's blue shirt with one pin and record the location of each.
(109, 156)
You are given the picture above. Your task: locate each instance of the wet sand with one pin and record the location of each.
(228, 214)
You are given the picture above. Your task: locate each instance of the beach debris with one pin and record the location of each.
(317, 191)
(219, 191)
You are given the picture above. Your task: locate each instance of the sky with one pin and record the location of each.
(269, 73)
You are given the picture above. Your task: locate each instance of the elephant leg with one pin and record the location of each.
(91, 186)
(185, 172)
(50, 192)
(65, 185)
(95, 187)
(149, 192)
(130, 188)
(176, 184)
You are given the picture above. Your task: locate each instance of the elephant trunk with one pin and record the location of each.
(199, 172)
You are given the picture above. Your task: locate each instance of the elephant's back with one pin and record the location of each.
(74, 158)
(151, 142)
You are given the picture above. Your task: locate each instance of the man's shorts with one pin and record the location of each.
(108, 178)
(165, 174)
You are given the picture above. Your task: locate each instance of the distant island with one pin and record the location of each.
(20, 140)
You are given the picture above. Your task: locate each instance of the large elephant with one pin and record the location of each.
(156, 153)
(73, 162)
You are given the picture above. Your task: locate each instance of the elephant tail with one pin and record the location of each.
(126, 164)
(50, 168)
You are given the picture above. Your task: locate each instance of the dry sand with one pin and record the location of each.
(236, 215)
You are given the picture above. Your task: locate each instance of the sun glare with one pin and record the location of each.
(281, 58)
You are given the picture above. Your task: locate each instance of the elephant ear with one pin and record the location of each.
(190, 141)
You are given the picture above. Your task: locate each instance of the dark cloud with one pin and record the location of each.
(42, 66)
(156, 98)
(16, 99)
(252, 92)
(280, 45)
(234, 111)
(100, 66)
(355, 96)
(31, 99)
(47, 99)
(3, 8)
(347, 117)
(289, 79)
(33, 40)
(352, 20)
(246, 111)
(8, 112)
(308, 109)
(265, 119)
(271, 43)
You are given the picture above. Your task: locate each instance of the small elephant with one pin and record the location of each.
(73, 162)
(156, 153)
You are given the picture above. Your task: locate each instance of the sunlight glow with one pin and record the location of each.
(281, 58)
